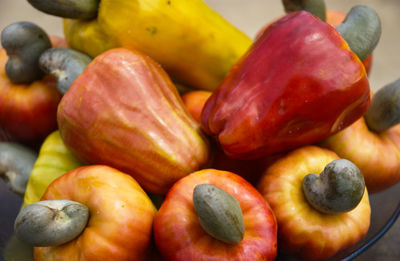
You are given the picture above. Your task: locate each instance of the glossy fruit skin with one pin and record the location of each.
(334, 18)
(124, 111)
(120, 221)
(304, 231)
(376, 154)
(28, 111)
(194, 102)
(250, 170)
(296, 85)
(193, 43)
(54, 160)
(179, 236)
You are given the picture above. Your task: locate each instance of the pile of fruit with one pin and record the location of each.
(152, 132)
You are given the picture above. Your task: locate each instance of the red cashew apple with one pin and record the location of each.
(251, 170)
(28, 111)
(334, 18)
(180, 227)
(295, 86)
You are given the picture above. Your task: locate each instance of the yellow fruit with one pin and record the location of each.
(193, 43)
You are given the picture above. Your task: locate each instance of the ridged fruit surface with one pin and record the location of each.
(125, 112)
(54, 160)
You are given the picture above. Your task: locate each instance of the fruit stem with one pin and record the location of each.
(384, 110)
(75, 9)
(315, 7)
(362, 30)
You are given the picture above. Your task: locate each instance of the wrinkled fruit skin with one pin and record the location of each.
(179, 235)
(376, 154)
(27, 111)
(124, 111)
(120, 220)
(296, 85)
(304, 231)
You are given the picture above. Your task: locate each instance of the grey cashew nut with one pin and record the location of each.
(362, 30)
(24, 42)
(315, 7)
(64, 64)
(384, 110)
(219, 213)
(16, 163)
(51, 222)
(339, 188)
(76, 9)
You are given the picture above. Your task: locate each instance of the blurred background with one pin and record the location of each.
(250, 16)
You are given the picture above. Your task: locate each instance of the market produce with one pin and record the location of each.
(76, 9)
(373, 142)
(193, 43)
(175, 137)
(315, 7)
(51, 222)
(54, 160)
(64, 64)
(251, 170)
(23, 43)
(337, 189)
(314, 86)
(303, 230)
(219, 213)
(28, 99)
(179, 227)
(335, 18)
(194, 102)
(125, 112)
(120, 216)
(318, 8)
(16, 163)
